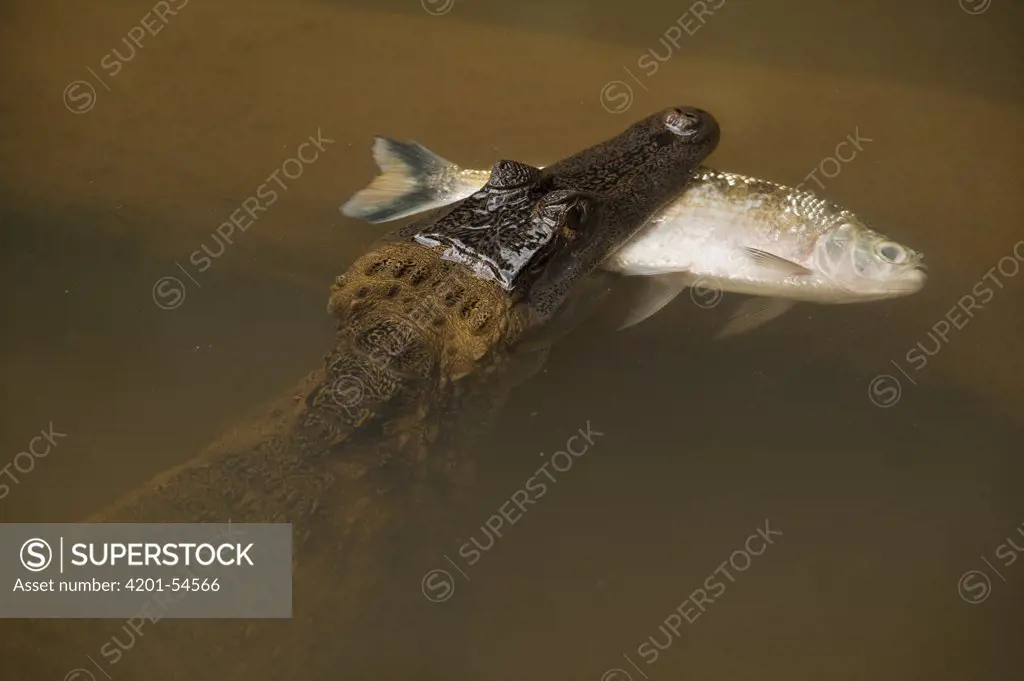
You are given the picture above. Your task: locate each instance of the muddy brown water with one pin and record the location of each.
(886, 491)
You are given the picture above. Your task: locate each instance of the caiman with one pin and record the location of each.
(426, 320)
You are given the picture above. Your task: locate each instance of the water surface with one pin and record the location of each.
(883, 504)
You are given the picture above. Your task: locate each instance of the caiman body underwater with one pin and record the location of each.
(428, 319)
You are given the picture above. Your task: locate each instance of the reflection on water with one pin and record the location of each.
(170, 229)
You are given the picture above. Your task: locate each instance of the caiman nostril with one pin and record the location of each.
(684, 122)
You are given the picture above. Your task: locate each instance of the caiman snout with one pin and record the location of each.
(690, 122)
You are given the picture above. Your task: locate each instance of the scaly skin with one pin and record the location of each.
(364, 456)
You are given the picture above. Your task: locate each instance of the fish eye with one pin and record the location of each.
(891, 252)
(682, 122)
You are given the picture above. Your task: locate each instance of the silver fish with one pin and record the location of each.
(727, 232)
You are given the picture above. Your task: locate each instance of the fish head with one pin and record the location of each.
(867, 264)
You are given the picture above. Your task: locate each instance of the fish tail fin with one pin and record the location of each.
(412, 179)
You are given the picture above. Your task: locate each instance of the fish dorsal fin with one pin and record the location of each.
(753, 313)
(410, 181)
(658, 292)
(776, 264)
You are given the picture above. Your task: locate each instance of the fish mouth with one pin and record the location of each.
(907, 284)
(912, 282)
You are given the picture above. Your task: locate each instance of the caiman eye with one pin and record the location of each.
(577, 214)
(891, 252)
(555, 207)
(683, 122)
(567, 212)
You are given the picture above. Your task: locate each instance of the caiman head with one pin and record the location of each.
(439, 298)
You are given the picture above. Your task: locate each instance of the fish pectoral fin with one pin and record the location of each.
(658, 291)
(753, 313)
(776, 264)
(411, 181)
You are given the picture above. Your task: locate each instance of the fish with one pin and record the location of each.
(725, 232)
